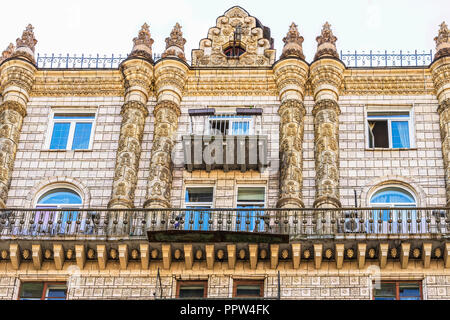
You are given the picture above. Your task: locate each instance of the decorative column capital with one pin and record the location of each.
(326, 104)
(167, 104)
(442, 41)
(175, 44)
(13, 105)
(290, 77)
(440, 69)
(293, 43)
(326, 77)
(443, 106)
(170, 79)
(292, 104)
(134, 105)
(138, 79)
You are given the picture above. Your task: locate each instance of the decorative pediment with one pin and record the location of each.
(238, 39)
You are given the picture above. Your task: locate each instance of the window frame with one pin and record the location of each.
(199, 204)
(232, 118)
(237, 282)
(386, 109)
(393, 205)
(397, 287)
(192, 282)
(45, 289)
(73, 122)
(236, 202)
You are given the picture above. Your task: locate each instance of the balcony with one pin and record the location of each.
(227, 141)
(258, 225)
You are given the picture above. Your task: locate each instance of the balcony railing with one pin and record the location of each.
(295, 223)
(386, 59)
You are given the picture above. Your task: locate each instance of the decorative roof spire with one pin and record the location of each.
(175, 43)
(293, 43)
(143, 44)
(442, 41)
(25, 45)
(326, 43)
(7, 53)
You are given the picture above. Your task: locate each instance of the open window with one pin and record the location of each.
(250, 198)
(198, 199)
(389, 129)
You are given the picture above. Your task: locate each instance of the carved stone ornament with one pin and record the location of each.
(26, 254)
(285, 254)
(220, 254)
(293, 43)
(442, 41)
(91, 254)
(291, 114)
(306, 254)
(328, 253)
(198, 254)
(7, 53)
(444, 126)
(263, 254)
(175, 44)
(113, 254)
(154, 254)
(134, 254)
(128, 154)
(142, 44)
(258, 49)
(350, 253)
(160, 176)
(4, 254)
(48, 254)
(69, 254)
(242, 254)
(326, 43)
(26, 44)
(371, 253)
(438, 253)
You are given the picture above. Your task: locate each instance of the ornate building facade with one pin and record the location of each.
(231, 175)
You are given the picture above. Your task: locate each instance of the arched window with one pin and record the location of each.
(60, 198)
(393, 197)
(234, 51)
(57, 221)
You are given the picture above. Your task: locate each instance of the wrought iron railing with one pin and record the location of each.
(386, 59)
(293, 222)
(82, 62)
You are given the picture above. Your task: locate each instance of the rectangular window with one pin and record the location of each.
(192, 289)
(71, 131)
(248, 288)
(389, 129)
(398, 290)
(230, 125)
(198, 198)
(43, 291)
(250, 198)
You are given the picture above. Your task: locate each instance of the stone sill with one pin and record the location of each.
(390, 149)
(64, 150)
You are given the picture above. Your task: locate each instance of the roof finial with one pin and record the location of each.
(175, 43)
(142, 44)
(26, 44)
(293, 43)
(442, 41)
(7, 53)
(326, 43)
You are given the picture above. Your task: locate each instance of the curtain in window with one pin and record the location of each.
(400, 134)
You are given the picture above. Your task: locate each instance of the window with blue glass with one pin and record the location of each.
(71, 131)
(389, 130)
(250, 198)
(60, 198)
(230, 125)
(43, 291)
(398, 290)
(198, 200)
(393, 197)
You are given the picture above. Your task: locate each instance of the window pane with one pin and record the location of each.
(251, 194)
(31, 290)
(409, 291)
(400, 134)
(60, 135)
(248, 290)
(74, 116)
(240, 128)
(60, 196)
(56, 292)
(192, 291)
(380, 134)
(201, 194)
(387, 291)
(392, 195)
(82, 136)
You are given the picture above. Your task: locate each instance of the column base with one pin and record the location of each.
(290, 203)
(120, 204)
(156, 204)
(327, 202)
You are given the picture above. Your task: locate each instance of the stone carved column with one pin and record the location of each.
(291, 114)
(326, 153)
(16, 78)
(138, 74)
(160, 177)
(170, 78)
(290, 75)
(326, 76)
(440, 69)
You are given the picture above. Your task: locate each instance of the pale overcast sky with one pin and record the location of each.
(105, 27)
